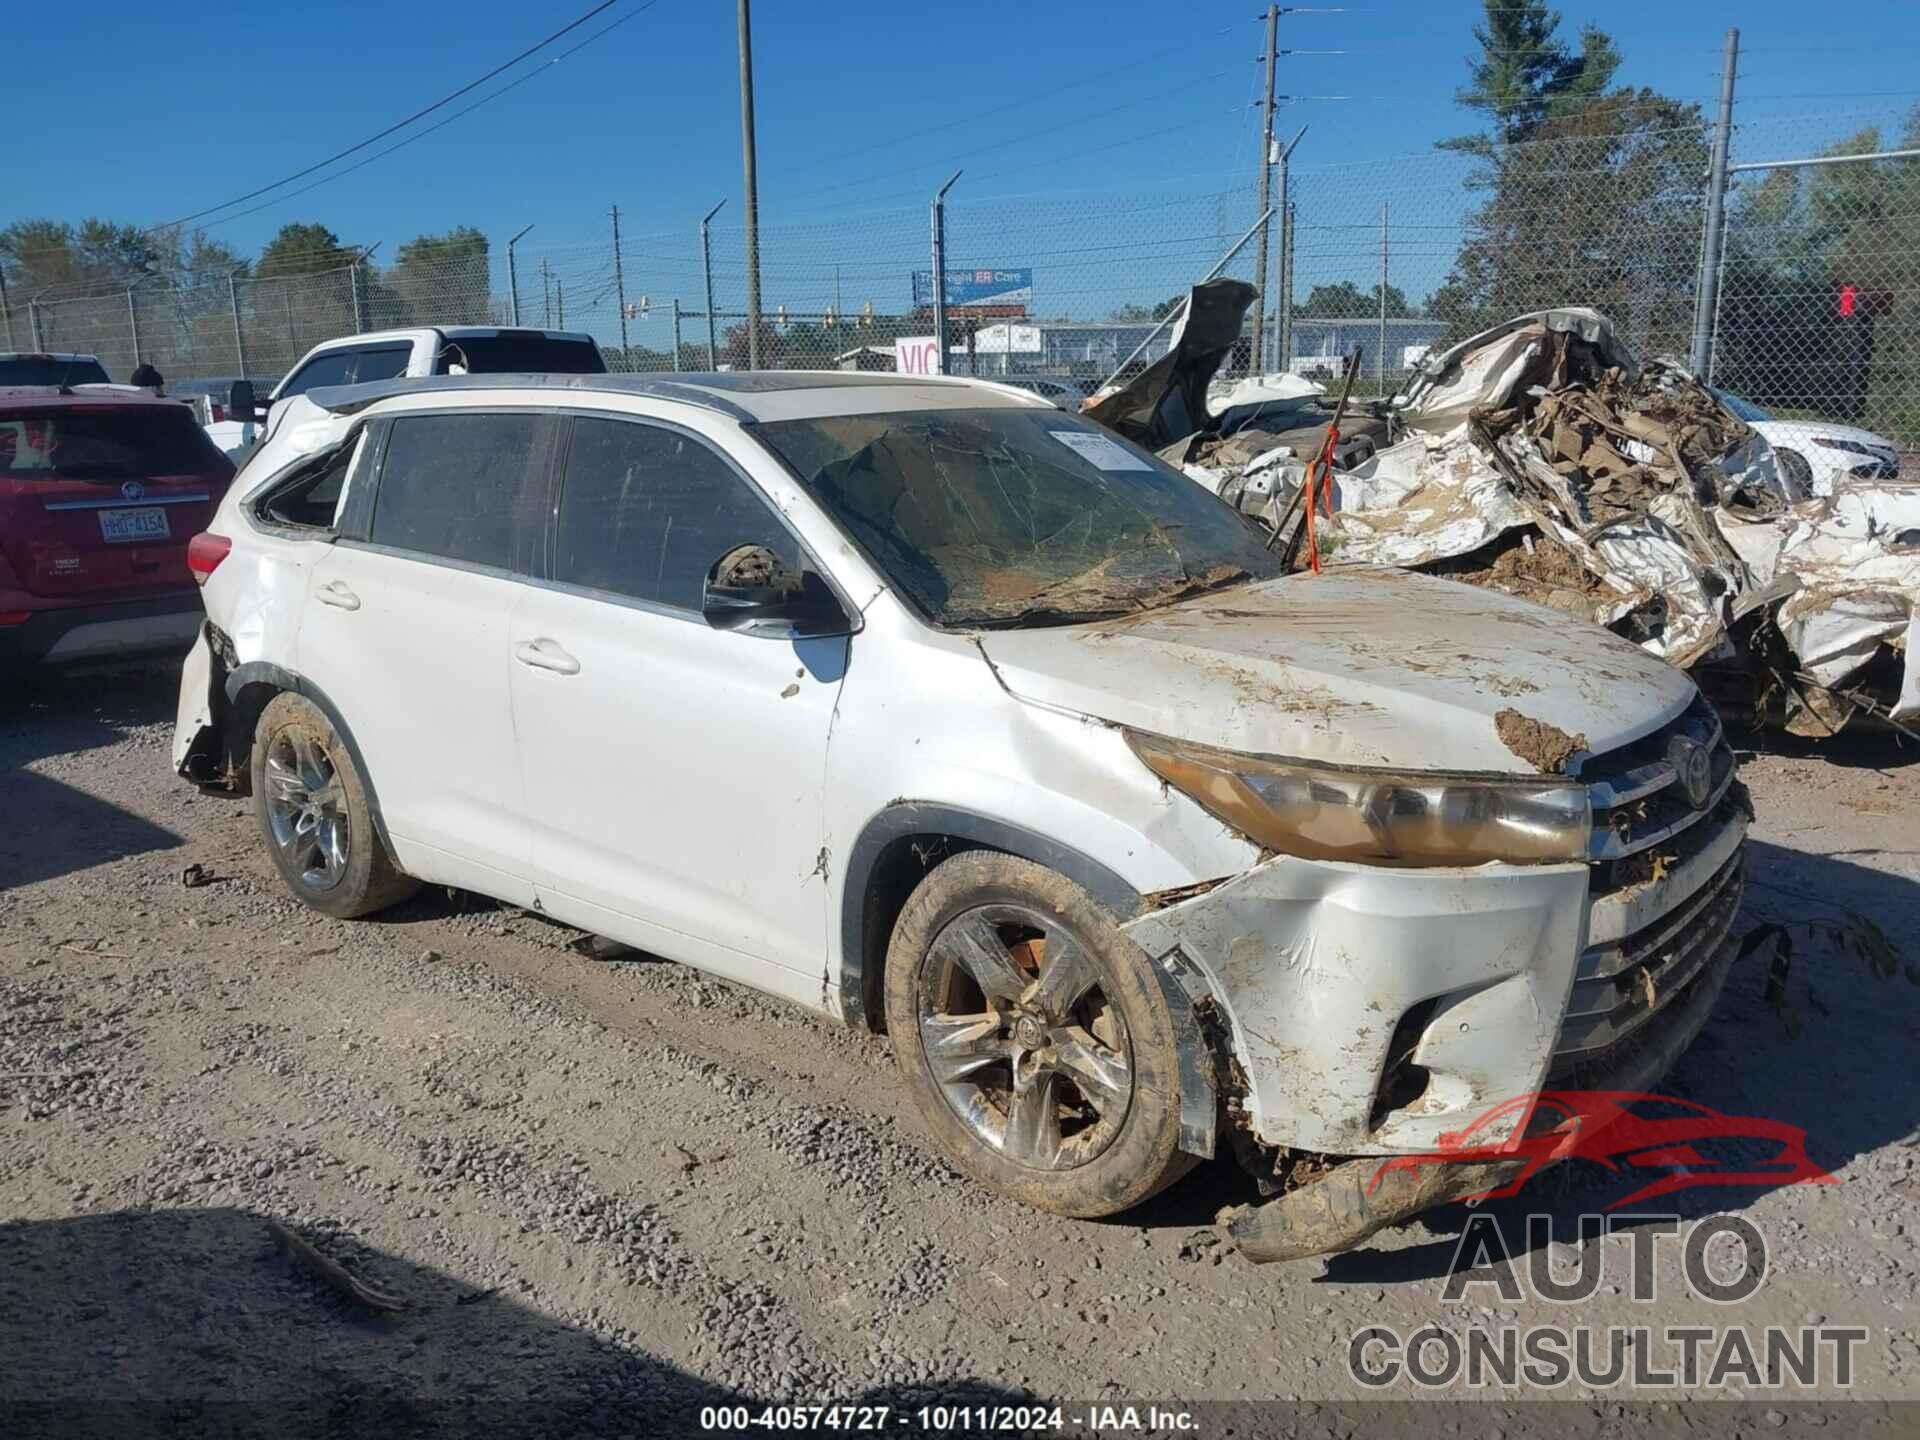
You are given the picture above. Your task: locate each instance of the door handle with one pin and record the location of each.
(544, 654)
(336, 594)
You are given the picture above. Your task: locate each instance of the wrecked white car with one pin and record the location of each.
(1542, 458)
(924, 704)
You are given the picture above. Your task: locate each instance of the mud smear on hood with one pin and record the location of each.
(1545, 747)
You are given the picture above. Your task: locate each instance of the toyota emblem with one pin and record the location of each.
(1693, 766)
(133, 489)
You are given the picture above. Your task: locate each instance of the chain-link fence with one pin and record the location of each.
(1815, 323)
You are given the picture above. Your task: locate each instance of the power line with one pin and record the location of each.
(399, 125)
(975, 117)
(948, 158)
(514, 84)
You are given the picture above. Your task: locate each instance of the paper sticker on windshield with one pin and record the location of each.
(1100, 450)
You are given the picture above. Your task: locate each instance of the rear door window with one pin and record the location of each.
(646, 511)
(465, 486)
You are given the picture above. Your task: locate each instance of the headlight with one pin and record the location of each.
(1852, 447)
(1377, 816)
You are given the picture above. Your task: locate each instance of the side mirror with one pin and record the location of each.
(241, 404)
(752, 590)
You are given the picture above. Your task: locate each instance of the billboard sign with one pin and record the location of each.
(916, 355)
(1005, 338)
(977, 287)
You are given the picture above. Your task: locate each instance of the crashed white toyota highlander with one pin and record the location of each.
(924, 704)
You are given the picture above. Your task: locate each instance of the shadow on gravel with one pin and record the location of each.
(1833, 1058)
(193, 1322)
(57, 828)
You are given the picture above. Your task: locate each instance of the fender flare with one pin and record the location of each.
(1199, 1099)
(264, 672)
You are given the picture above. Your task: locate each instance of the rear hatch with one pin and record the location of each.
(98, 500)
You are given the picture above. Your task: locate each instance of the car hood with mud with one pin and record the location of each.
(1364, 667)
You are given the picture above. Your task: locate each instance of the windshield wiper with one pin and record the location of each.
(1035, 617)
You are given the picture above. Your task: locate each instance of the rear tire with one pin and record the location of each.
(1036, 1045)
(311, 802)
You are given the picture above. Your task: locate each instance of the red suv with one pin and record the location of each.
(100, 490)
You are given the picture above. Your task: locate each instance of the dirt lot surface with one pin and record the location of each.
(605, 1190)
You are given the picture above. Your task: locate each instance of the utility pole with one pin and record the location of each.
(1706, 302)
(133, 326)
(6, 309)
(1266, 194)
(239, 340)
(546, 296)
(1283, 312)
(559, 303)
(1284, 340)
(706, 261)
(748, 163)
(1380, 358)
(940, 276)
(620, 285)
(676, 332)
(513, 279)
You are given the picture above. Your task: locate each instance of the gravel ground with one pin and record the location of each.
(603, 1189)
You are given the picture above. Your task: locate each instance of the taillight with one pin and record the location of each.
(205, 551)
(15, 617)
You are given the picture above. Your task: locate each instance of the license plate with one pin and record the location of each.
(128, 527)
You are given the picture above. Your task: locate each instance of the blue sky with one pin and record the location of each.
(153, 112)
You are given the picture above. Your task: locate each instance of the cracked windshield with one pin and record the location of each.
(1018, 517)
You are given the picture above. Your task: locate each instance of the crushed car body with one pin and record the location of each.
(1544, 459)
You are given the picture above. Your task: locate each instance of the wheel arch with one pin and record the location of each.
(896, 849)
(250, 689)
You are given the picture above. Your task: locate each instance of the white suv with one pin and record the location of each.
(924, 704)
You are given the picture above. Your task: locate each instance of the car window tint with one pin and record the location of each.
(332, 369)
(457, 486)
(645, 512)
(382, 364)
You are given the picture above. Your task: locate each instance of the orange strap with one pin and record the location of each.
(1319, 483)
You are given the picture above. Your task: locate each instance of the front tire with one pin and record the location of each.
(1037, 1048)
(311, 802)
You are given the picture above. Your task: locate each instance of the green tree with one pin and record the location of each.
(1133, 313)
(303, 248)
(1794, 239)
(1525, 76)
(1346, 300)
(1593, 194)
(93, 256)
(443, 279)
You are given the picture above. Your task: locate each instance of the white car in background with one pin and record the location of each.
(1816, 457)
(393, 354)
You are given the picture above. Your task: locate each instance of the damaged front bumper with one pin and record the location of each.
(1374, 1012)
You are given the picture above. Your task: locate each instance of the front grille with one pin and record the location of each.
(1621, 985)
(1649, 824)
(1639, 793)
